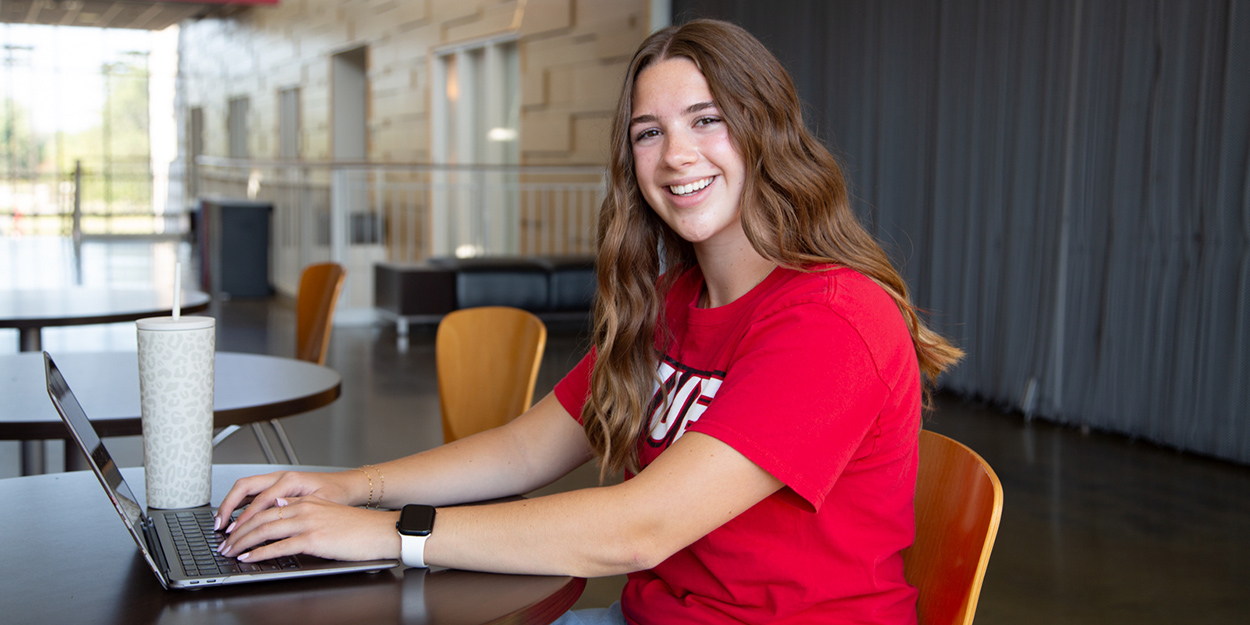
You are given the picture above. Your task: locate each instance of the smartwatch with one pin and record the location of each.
(416, 522)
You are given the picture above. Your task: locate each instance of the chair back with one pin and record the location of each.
(959, 502)
(319, 288)
(487, 362)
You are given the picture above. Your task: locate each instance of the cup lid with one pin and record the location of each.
(182, 323)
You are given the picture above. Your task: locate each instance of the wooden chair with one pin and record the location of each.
(959, 502)
(487, 361)
(319, 288)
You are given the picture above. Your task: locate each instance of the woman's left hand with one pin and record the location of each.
(315, 526)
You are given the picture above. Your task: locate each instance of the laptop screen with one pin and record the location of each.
(142, 528)
(101, 462)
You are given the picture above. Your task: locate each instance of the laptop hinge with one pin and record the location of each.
(154, 547)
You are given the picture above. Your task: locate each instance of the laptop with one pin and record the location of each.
(178, 544)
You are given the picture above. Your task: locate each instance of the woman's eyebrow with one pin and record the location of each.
(644, 119)
(693, 108)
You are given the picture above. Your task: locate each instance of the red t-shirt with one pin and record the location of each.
(812, 376)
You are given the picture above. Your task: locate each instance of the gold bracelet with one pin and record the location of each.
(381, 486)
(367, 477)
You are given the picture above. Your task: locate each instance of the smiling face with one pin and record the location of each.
(685, 162)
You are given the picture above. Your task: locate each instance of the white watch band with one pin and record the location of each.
(412, 550)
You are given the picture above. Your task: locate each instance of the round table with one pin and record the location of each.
(31, 310)
(68, 558)
(247, 388)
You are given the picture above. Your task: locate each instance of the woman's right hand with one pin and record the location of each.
(262, 491)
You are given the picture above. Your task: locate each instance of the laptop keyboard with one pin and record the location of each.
(197, 548)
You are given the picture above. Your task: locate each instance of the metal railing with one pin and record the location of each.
(358, 214)
(115, 198)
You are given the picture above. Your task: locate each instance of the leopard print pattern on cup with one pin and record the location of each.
(176, 394)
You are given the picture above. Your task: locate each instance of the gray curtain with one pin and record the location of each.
(1064, 185)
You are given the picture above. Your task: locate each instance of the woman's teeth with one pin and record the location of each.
(687, 189)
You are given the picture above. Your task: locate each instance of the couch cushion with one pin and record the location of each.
(439, 285)
(572, 281)
(500, 281)
(411, 289)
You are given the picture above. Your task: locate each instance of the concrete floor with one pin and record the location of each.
(1096, 529)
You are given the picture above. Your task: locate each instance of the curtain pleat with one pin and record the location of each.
(1064, 184)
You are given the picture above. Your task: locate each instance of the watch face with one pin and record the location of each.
(416, 520)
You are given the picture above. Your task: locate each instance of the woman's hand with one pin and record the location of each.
(264, 490)
(314, 526)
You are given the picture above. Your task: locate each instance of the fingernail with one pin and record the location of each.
(231, 528)
(282, 503)
(216, 523)
(223, 549)
(244, 557)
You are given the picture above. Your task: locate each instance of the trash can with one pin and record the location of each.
(234, 247)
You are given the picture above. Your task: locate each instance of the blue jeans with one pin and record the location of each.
(593, 616)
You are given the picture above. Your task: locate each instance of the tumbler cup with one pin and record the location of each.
(176, 394)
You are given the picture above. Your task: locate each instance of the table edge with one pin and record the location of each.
(35, 323)
(133, 426)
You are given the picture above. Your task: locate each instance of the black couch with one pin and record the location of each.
(552, 287)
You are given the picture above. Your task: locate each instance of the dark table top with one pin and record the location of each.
(247, 388)
(41, 308)
(66, 557)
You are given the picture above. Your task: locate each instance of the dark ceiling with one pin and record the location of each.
(143, 14)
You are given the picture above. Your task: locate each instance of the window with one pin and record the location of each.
(288, 124)
(236, 125)
(475, 121)
(195, 147)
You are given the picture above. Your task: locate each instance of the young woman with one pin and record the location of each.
(756, 373)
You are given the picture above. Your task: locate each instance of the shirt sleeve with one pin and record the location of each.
(800, 399)
(573, 390)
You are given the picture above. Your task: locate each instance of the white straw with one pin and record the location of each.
(177, 289)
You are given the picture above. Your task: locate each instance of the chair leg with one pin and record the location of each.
(263, 440)
(264, 443)
(284, 441)
(224, 434)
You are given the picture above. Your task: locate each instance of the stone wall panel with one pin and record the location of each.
(570, 62)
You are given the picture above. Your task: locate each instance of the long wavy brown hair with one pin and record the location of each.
(795, 210)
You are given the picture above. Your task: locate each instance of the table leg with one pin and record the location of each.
(28, 340)
(401, 334)
(32, 458)
(33, 461)
(74, 460)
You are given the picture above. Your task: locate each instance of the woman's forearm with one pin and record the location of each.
(695, 487)
(537, 448)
